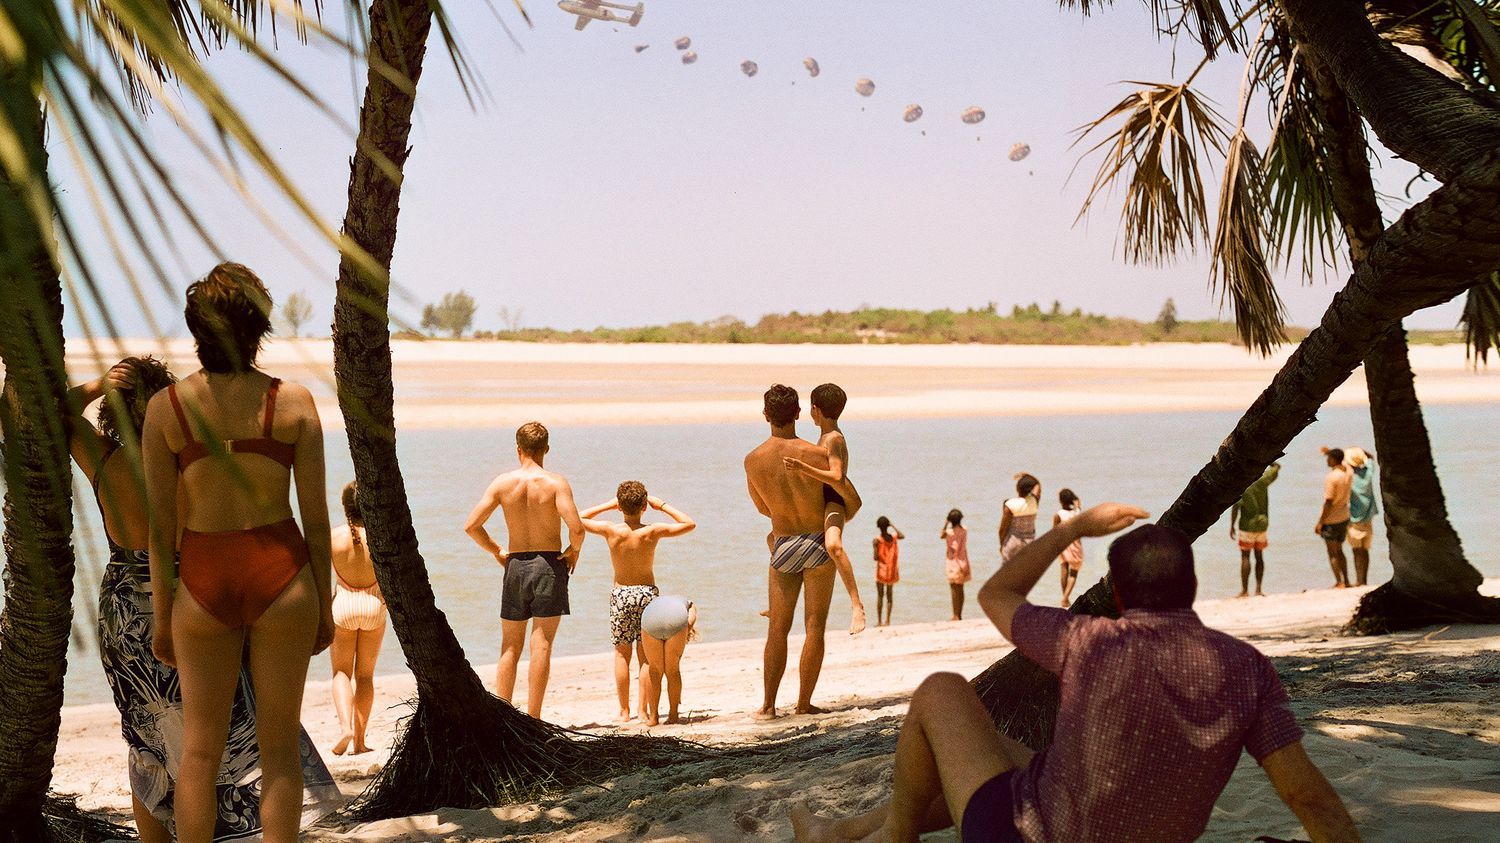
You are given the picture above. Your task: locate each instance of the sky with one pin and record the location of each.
(600, 186)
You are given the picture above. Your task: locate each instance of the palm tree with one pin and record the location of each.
(1167, 128)
(461, 746)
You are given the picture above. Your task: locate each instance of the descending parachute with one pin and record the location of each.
(683, 43)
(912, 114)
(812, 66)
(689, 57)
(641, 47)
(749, 68)
(973, 114)
(1019, 151)
(864, 87)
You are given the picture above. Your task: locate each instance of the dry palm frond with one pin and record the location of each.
(1481, 319)
(1212, 23)
(1479, 33)
(1165, 132)
(1303, 221)
(1239, 262)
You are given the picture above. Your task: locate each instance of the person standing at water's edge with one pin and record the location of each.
(1333, 520)
(1018, 516)
(1071, 561)
(887, 550)
(632, 553)
(794, 502)
(536, 503)
(359, 615)
(840, 498)
(1250, 524)
(1363, 507)
(955, 538)
(221, 451)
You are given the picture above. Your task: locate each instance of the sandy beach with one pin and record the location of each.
(1407, 727)
(480, 384)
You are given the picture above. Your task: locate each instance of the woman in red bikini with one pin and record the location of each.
(227, 442)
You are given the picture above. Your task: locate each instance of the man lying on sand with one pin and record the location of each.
(1154, 709)
(537, 568)
(632, 551)
(794, 503)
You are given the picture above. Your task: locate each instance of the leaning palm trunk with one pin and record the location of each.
(461, 746)
(1434, 252)
(38, 614)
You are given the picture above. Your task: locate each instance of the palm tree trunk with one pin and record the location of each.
(1433, 253)
(461, 747)
(1432, 581)
(38, 518)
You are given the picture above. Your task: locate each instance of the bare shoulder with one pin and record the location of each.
(557, 481)
(339, 542)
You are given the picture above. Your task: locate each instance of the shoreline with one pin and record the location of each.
(1353, 717)
(445, 384)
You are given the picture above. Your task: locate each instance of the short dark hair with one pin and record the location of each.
(123, 411)
(632, 497)
(350, 500)
(830, 399)
(531, 438)
(1025, 483)
(228, 313)
(782, 405)
(1336, 454)
(883, 524)
(1152, 568)
(1067, 498)
(955, 517)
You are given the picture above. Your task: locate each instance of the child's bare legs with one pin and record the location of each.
(674, 649)
(622, 680)
(885, 597)
(833, 541)
(1070, 579)
(644, 677)
(653, 650)
(956, 592)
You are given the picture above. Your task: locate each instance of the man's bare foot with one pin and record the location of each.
(808, 827)
(857, 620)
(624, 716)
(1065, 603)
(343, 745)
(360, 749)
(1259, 593)
(811, 709)
(673, 718)
(1242, 594)
(955, 618)
(766, 713)
(648, 720)
(1340, 585)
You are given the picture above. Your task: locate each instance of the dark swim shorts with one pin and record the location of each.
(1335, 532)
(536, 586)
(830, 496)
(990, 815)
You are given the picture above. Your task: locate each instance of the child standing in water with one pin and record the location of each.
(1072, 555)
(956, 536)
(1018, 518)
(887, 568)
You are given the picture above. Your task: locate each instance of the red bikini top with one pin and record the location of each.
(265, 445)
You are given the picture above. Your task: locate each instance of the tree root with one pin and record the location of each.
(489, 754)
(1387, 610)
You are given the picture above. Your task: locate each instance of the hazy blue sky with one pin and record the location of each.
(602, 186)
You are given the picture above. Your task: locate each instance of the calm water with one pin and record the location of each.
(910, 471)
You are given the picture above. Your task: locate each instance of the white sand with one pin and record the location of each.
(1407, 727)
(481, 384)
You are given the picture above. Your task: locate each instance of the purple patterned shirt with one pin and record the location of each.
(1154, 711)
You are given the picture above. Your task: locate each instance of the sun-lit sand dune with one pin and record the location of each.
(1406, 726)
(480, 384)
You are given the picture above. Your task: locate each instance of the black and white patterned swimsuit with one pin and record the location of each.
(626, 603)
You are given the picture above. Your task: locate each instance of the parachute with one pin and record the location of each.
(683, 43)
(1019, 151)
(689, 57)
(812, 66)
(864, 87)
(972, 114)
(912, 114)
(749, 68)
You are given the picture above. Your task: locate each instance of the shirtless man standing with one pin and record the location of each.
(537, 568)
(632, 551)
(794, 503)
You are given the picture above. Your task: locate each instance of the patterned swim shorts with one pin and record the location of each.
(626, 602)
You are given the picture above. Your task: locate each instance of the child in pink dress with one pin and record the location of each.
(956, 536)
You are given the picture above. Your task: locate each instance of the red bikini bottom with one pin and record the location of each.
(236, 575)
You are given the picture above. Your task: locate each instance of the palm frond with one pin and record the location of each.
(1240, 273)
(1481, 319)
(1214, 24)
(1460, 32)
(1480, 27)
(1165, 131)
(1303, 222)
